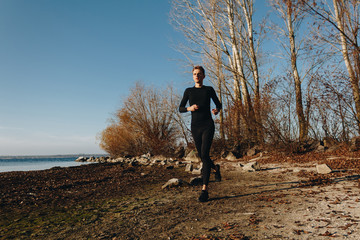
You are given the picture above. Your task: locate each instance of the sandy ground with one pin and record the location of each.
(282, 201)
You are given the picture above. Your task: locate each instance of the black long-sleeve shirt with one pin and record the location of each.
(201, 97)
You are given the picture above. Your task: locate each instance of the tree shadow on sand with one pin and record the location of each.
(294, 185)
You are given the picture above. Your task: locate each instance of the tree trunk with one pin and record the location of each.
(303, 128)
(238, 65)
(354, 79)
(247, 6)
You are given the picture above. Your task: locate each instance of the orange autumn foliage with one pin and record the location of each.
(144, 124)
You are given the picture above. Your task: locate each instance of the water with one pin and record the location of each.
(8, 164)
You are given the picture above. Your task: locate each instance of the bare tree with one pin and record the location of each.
(248, 11)
(222, 31)
(292, 16)
(342, 19)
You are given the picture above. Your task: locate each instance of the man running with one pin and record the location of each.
(202, 124)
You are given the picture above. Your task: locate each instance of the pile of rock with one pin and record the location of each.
(145, 160)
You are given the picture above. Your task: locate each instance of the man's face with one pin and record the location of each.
(198, 76)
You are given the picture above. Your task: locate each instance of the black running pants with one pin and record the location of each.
(203, 136)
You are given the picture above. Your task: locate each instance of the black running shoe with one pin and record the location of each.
(204, 196)
(217, 173)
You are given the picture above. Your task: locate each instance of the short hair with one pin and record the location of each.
(200, 68)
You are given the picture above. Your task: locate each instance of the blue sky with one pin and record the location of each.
(66, 66)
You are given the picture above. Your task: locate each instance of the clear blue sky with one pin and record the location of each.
(66, 66)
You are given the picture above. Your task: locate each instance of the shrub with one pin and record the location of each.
(145, 123)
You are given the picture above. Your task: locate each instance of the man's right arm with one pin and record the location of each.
(183, 102)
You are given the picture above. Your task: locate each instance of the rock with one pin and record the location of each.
(189, 167)
(252, 151)
(119, 159)
(193, 157)
(179, 163)
(329, 142)
(354, 144)
(174, 182)
(143, 161)
(147, 155)
(230, 157)
(323, 169)
(159, 157)
(196, 181)
(320, 148)
(251, 167)
(81, 159)
(196, 171)
(180, 152)
(155, 162)
(333, 148)
(133, 163)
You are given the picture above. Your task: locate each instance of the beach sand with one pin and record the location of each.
(285, 200)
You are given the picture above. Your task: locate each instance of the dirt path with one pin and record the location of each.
(283, 201)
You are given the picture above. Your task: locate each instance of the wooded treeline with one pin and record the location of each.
(291, 75)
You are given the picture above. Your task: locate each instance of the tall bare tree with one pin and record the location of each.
(343, 18)
(222, 30)
(247, 7)
(292, 15)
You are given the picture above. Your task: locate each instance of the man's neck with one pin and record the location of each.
(198, 85)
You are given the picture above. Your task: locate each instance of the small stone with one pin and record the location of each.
(189, 167)
(196, 181)
(81, 159)
(230, 157)
(251, 167)
(193, 157)
(320, 148)
(323, 169)
(355, 144)
(196, 171)
(252, 151)
(174, 182)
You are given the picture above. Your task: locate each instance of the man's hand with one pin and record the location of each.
(215, 111)
(193, 108)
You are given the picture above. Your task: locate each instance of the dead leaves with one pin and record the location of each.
(232, 235)
(254, 220)
(328, 234)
